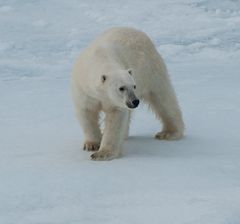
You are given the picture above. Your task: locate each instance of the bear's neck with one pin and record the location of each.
(111, 66)
(108, 64)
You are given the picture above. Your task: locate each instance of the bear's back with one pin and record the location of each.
(125, 37)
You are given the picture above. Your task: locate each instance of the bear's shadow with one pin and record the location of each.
(148, 146)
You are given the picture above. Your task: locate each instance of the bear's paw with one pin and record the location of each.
(91, 146)
(103, 155)
(168, 135)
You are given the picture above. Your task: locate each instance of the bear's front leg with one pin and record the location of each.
(92, 133)
(113, 136)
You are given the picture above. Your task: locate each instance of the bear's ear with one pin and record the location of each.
(103, 78)
(130, 71)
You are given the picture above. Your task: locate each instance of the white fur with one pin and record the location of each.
(111, 55)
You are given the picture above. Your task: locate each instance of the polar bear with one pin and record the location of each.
(118, 70)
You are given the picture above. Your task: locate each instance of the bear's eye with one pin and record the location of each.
(121, 89)
(134, 87)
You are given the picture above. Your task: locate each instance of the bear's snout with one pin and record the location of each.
(133, 104)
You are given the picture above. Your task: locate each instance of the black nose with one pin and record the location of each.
(135, 103)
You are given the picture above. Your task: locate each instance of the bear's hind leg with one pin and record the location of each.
(166, 108)
(89, 121)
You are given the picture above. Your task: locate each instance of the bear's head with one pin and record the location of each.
(119, 86)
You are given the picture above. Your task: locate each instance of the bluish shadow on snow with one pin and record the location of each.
(148, 146)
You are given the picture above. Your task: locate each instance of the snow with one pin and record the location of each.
(46, 178)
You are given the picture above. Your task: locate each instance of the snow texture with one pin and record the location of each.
(45, 177)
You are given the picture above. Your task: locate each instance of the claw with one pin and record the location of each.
(91, 146)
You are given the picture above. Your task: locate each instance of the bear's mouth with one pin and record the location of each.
(133, 104)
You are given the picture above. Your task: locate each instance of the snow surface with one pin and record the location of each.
(45, 177)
